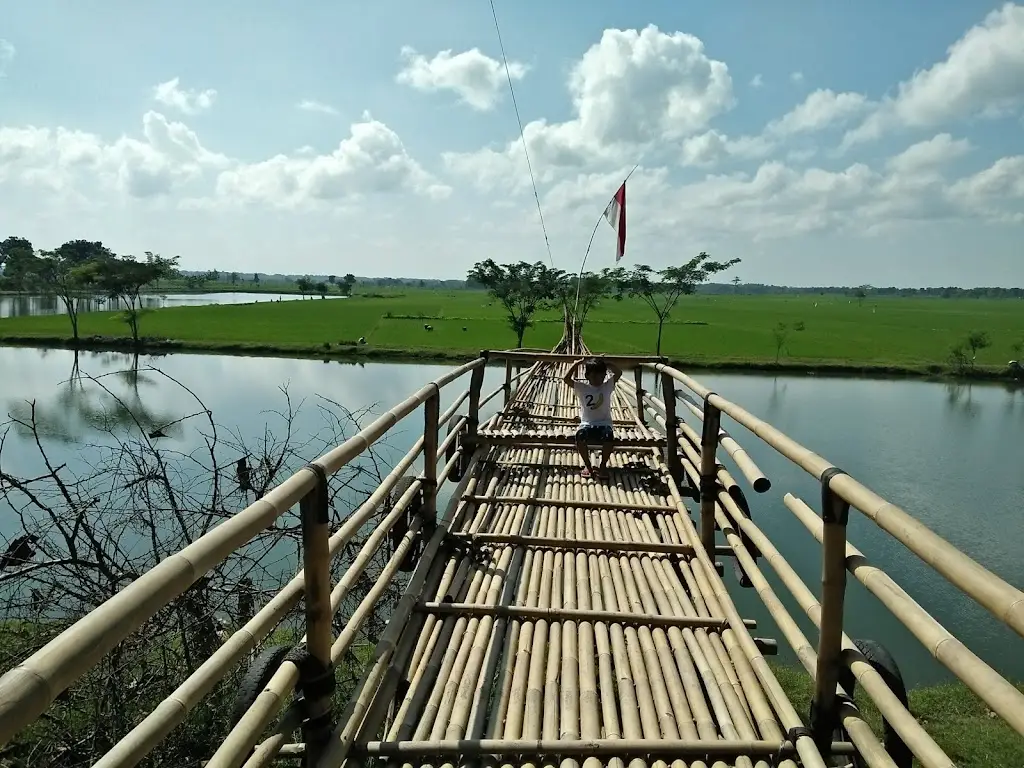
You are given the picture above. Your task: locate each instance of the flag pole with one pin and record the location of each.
(579, 280)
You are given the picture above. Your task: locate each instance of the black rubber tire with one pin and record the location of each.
(398, 530)
(256, 678)
(882, 661)
(449, 454)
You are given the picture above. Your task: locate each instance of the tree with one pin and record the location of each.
(593, 287)
(213, 275)
(304, 284)
(125, 279)
(68, 279)
(332, 279)
(661, 289)
(781, 335)
(256, 278)
(977, 341)
(322, 289)
(78, 252)
(19, 261)
(234, 278)
(521, 288)
(348, 283)
(736, 284)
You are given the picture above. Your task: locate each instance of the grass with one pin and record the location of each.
(892, 334)
(956, 719)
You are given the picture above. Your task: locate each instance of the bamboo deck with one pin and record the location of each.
(552, 619)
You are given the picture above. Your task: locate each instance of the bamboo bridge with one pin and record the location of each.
(551, 619)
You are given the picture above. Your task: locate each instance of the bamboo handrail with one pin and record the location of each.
(623, 361)
(28, 689)
(1003, 600)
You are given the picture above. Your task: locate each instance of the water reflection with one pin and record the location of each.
(22, 305)
(84, 404)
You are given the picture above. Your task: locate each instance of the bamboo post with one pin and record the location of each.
(835, 513)
(316, 565)
(507, 389)
(668, 387)
(638, 377)
(476, 383)
(708, 473)
(431, 414)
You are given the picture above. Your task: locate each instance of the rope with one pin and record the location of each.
(522, 136)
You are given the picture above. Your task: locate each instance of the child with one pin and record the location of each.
(595, 396)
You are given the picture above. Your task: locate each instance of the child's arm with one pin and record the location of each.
(570, 377)
(615, 371)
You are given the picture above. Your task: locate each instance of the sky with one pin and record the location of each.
(822, 144)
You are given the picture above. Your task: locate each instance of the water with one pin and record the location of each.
(24, 305)
(951, 455)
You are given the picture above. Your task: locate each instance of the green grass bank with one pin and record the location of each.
(958, 720)
(896, 335)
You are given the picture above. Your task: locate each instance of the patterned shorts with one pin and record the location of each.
(594, 433)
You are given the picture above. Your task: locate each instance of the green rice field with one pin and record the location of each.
(823, 331)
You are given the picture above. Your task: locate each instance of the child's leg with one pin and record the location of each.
(584, 450)
(606, 447)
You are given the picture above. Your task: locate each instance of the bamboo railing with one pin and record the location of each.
(552, 619)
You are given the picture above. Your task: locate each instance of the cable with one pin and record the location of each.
(522, 136)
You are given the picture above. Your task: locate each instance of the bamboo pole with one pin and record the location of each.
(909, 729)
(592, 748)
(431, 416)
(544, 501)
(622, 361)
(1003, 600)
(566, 614)
(316, 568)
(1002, 697)
(708, 473)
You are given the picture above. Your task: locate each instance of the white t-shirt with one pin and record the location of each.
(595, 402)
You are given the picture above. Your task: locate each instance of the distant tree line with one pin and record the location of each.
(861, 291)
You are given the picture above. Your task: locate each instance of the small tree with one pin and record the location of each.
(593, 287)
(69, 281)
(781, 336)
(256, 279)
(304, 284)
(332, 279)
(522, 289)
(736, 284)
(348, 282)
(661, 290)
(977, 341)
(234, 278)
(125, 279)
(322, 289)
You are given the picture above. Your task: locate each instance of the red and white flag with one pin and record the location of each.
(616, 215)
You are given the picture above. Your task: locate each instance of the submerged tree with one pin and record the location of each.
(661, 289)
(522, 289)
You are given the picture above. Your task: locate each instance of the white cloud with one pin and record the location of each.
(796, 77)
(7, 53)
(371, 160)
(756, 81)
(711, 147)
(190, 102)
(982, 74)
(61, 159)
(311, 105)
(475, 77)
(633, 92)
(930, 154)
(821, 109)
(169, 158)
